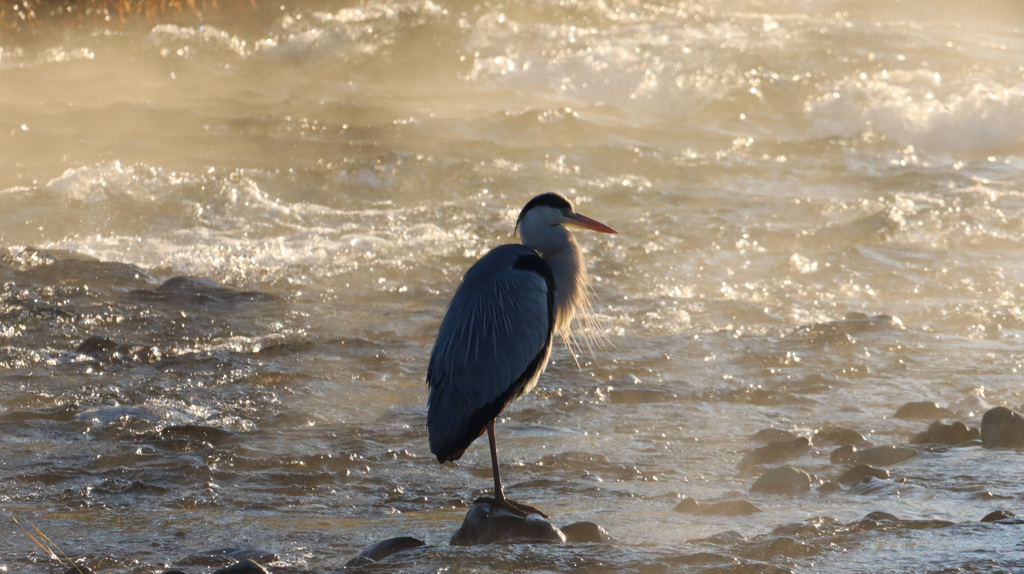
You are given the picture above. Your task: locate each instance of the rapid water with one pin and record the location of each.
(821, 217)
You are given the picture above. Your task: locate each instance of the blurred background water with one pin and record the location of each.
(821, 217)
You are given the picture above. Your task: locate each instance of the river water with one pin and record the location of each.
(259, 217)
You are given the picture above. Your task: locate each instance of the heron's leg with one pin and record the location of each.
(519, 508)
(499, 494)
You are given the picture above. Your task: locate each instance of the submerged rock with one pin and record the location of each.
(775, 451)
(487, 524)
(1002, 428)
(584, 532)
(922, 410)
(385, 548)
(773, 435)
(783, 480)
(997, 515)
(729, 508)
(860, 472)
(837, 435)
(687, 505)
(246, 566)
(941, 433)
(884, 455)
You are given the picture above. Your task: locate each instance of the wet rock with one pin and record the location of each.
(79, 569)
(783, 480)
(885, 455)
(102, 350)
(879, 516)
(922, 410)
(486, 524)
(584, 532)
(997, 515)
(201, 291)
(383, 549)
(843, 454)
(687, 505)
(202, 433)
(829, 487)
(1002, 428)
(837, 435)
(885, 521)
(62, 413)
(96, 347)
(729, 508)
(860, 472)
(246, 566)
(775, 452)
(941, 433)
(221, 555)
(773, 435)
(781, 546)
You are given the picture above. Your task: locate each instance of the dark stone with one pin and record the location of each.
(922, 410)
(62, 413)
(172, 572)
(383, 549)
(246, 566)
(584, 532)
(783, 480)
(687, 505)
(773, 435)
(837, 435)
(860, 472)
(79, 569)
(843, 454)
(96, 347)
(829, 487)
(1002, 428)
(220, 556)
(997, 515)
(885, 455)
(941, 433)
(729, 508)
(879, 516)
(202, 433)
(775, 452)
(487, 524)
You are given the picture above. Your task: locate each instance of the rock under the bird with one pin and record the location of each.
(383, 549)
(1002, 428)
(488, 524)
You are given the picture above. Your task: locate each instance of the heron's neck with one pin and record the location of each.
(571, 281)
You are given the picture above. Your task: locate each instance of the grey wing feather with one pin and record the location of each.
(492, 344)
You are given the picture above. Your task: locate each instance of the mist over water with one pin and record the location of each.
(226, 246)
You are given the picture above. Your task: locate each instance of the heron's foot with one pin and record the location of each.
(517, 508)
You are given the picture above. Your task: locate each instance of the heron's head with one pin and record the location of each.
(543, 221)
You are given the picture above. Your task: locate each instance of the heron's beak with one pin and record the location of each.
(580, 220)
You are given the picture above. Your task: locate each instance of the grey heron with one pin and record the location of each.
(495, 338)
